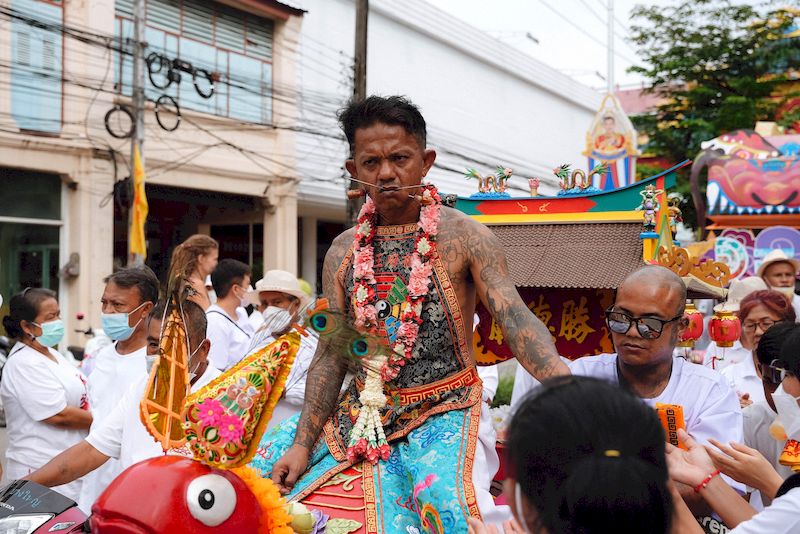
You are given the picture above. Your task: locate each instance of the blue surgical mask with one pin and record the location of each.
(52, 333)
(116, 325)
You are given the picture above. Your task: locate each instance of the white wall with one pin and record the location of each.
(483, 100)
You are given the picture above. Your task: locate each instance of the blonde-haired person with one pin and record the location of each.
(194, 260)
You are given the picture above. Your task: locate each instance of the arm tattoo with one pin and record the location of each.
(326, 372)
(528, 338)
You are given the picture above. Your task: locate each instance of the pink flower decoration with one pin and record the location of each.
(364, 265)
(361, 446)
(231, 428)
(418, 285)
(210, 411)
(384, 451)
(408, 333)
(373, 455)
(429, 221)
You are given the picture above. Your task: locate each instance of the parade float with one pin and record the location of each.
(752, 199)
(568, 253)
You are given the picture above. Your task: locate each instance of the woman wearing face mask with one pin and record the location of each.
(586, 456)
(44, 396)
(758, 312)
(700, 466)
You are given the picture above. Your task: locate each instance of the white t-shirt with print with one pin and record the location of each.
(781, 517)
(35, 388)
(113, 374)
(122, 436)
(710, 407)
(230, 337)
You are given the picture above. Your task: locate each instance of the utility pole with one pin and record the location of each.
(137, 103)
(610, 77)
(359, 86)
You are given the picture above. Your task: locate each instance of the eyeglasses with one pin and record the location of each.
(765, 325)
(648, 327)
(774, 372)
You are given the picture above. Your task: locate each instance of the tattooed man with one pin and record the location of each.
(413, 274)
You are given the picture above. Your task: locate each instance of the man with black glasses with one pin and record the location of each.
(644, 322)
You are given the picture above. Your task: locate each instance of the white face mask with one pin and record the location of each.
(518, 505)
(212, 296)
(151, 361)
(276, 319)
(789, 412)
(786, 291)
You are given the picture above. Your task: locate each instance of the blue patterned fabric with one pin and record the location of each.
(421, 488)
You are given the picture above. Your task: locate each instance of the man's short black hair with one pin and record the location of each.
(138, 276)
(228, 274)
(391, 110)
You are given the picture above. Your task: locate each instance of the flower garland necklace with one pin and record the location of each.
(367, 438)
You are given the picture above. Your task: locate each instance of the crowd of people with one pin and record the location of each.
(587, 447)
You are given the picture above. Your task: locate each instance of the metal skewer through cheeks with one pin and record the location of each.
(358, 193)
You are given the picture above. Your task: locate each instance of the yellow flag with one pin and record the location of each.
(136, 239)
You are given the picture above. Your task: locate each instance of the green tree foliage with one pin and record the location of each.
(717, 64)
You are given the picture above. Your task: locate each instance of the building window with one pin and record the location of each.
(30, 229)
(36, 85)
(235, 45)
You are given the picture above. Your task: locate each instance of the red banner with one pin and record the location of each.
(574, 317)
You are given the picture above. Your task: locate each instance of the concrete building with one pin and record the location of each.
(226, 170)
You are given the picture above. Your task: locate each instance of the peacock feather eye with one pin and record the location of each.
(319, 322)
(360, 347)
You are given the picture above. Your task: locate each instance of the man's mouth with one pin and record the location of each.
(633, 346)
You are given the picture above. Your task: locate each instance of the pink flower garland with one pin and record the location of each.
(367, 439)
(418, 283)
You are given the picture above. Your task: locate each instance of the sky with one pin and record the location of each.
(572, 34)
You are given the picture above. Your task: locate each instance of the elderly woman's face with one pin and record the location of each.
(758, 321)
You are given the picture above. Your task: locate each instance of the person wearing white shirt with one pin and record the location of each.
(44, 397)
(127, 300)
(229, 328)
(780, 271)
(121, 435)
(279, 297)
(645, 321)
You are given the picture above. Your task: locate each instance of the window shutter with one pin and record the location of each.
(123, 8)
(23, 46)
(230, 29)
(259, 38)
(164, 14)
(198, 20)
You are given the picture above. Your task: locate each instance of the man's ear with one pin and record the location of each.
(428, 157)
(204, 349)
(350, 165)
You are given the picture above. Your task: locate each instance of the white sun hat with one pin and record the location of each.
(739, 290)
(776, 256)
(277, 280)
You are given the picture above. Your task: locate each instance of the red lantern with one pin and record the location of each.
(724, 328)
(694, 329)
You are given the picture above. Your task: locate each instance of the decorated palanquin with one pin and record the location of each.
(567, 255)
(752, 198)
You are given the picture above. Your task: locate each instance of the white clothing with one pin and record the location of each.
(35, 388)
(294, 393)
(256, 320)
(757, 419)
(113, 373)
(743, 378)
(710, 408)
(229, 337)
(524, 382)
(487, 462)
(781, 517)
(796, 306)
(122, 435)
(719, 358)
(491, 379)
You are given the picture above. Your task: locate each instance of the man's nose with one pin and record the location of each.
(386, 171)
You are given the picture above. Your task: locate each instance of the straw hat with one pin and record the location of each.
(739, 290)
(280, 281)
(777, 256)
